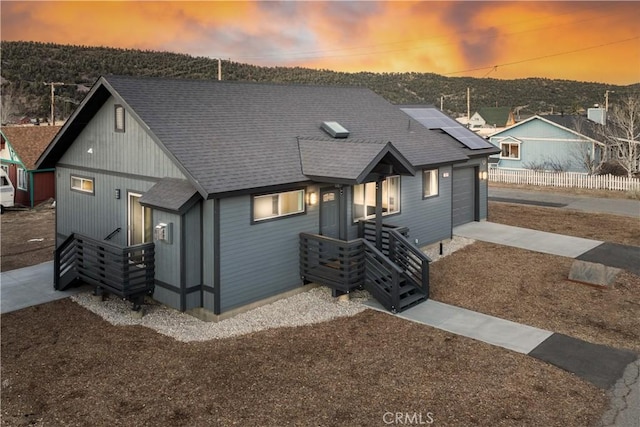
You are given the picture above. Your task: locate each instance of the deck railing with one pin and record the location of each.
(335, 263)
(367, 231)
(124, 271)
(382, 278)
(396, 281)
(410, 259)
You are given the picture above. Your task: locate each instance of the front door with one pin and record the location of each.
(138, 221)
(330, 212)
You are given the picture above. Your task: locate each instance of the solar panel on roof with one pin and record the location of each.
(434, 119)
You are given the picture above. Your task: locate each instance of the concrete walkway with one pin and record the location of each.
(29, 286)
(524, 238)
(482, 327)
(624, 207)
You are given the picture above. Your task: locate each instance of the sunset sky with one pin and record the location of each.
(587, 41)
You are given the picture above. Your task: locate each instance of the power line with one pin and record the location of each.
(495, 67)
(319, 53)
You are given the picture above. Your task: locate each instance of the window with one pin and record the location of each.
(276, 205)
(429, 183)
(22, 179)
(119, 118)
(510, 151)
(82, 184)
(364, 198)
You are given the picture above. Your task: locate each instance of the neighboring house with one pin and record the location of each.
(488, 120)
(550, 142)
(20, 147)
(243, 192)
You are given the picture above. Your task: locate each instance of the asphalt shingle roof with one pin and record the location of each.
(232, 136)
(170, 194)
(29, 141)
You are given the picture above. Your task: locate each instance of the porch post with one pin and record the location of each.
(379, 214)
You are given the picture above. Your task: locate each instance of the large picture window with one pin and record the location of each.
(429, 183)
(277, 205)
(82, 184)
(364, 198)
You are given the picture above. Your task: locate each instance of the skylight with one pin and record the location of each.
(335, 129)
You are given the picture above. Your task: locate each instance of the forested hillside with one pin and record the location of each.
(27, 66)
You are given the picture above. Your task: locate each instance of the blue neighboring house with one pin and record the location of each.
(551, 142)
(215, 197)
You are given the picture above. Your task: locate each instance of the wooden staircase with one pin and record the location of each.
(397, 276)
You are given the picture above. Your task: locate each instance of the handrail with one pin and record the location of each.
(60, 260)
(366, 230)
(113, 233)
(382, 277)
(412, 260)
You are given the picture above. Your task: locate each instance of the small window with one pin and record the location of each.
(510, 151)
(429, 183)
(22, 179)
(277, 205)
(82, 184)
(119, 118)
(364, 198)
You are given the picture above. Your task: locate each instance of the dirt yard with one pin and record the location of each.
(63, 365)
(28, 237)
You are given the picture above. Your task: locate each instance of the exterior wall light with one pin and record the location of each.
(312, 198)
(483, 175)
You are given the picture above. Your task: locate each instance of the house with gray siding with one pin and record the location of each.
(224, 195)
(569, 143)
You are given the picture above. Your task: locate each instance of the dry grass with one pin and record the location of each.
(605, 227)
(62, 365)
(532, 288)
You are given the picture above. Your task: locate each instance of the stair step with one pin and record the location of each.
(411, 300)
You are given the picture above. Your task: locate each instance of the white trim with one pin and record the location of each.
(510, 144)
(548, 122)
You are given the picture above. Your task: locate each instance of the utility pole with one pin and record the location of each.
(53, 102)
(219, 68)
(441, 102)
(468, 104)
(606, 99)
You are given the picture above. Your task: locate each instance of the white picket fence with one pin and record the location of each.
(563, 179)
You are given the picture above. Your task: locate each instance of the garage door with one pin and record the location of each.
(464, 196)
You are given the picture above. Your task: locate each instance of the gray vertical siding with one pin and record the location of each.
(132, 151)
(259, 260)
(127, 161)
(95, 215)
